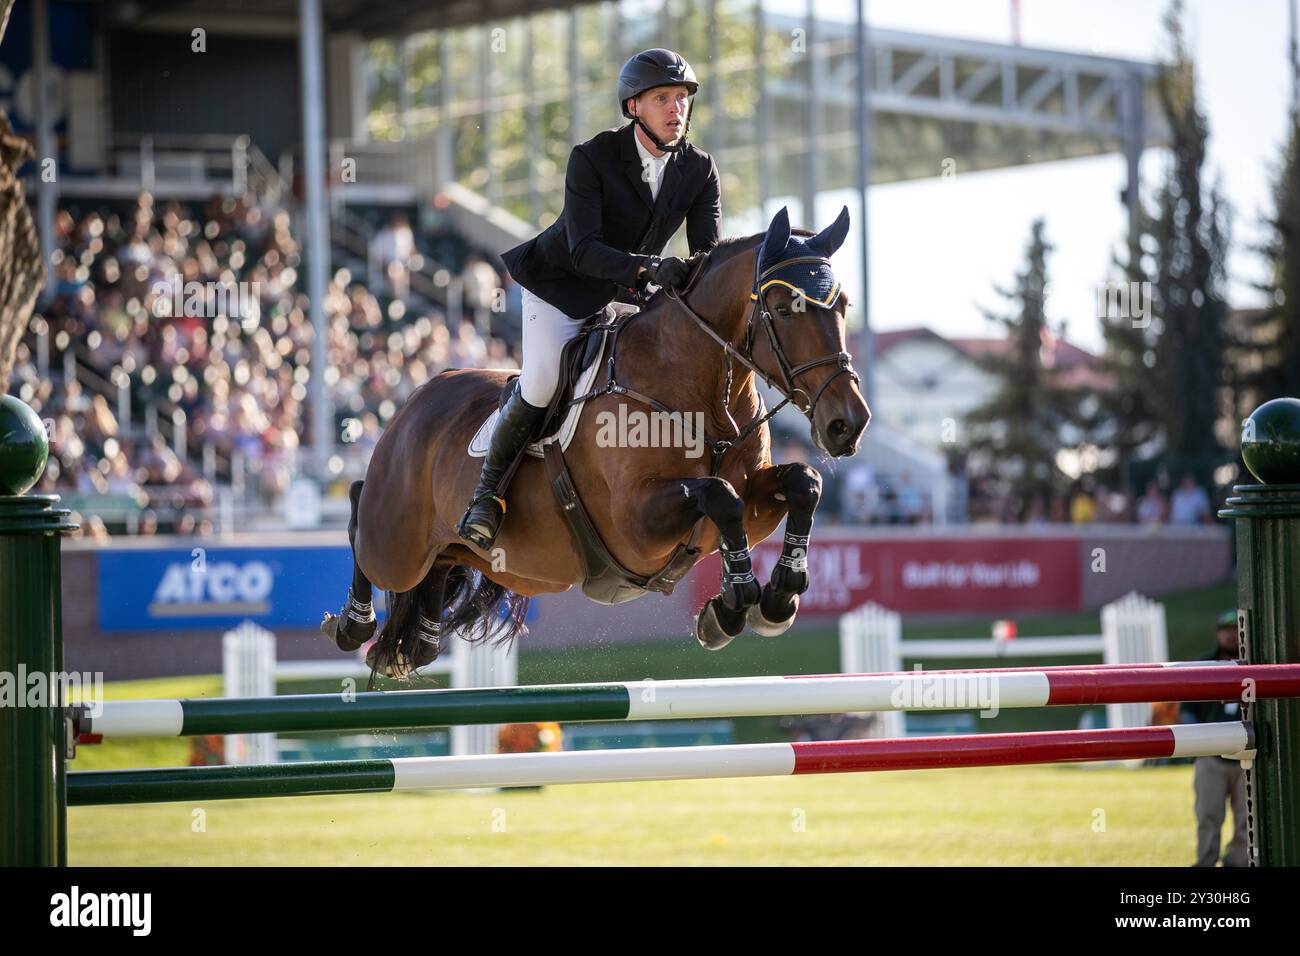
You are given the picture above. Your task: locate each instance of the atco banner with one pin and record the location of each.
(210, 587)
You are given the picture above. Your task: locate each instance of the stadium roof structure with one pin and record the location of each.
(367, 17)
(998, 105)
(991, 105)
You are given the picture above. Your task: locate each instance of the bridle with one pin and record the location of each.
(786, 386)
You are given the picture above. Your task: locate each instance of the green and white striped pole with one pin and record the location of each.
(669, 699)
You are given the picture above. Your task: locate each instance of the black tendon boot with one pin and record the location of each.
(515, 426)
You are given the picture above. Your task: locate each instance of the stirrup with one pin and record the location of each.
(471, 533)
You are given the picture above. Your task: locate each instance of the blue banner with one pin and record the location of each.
(210, 587)
(214, 588)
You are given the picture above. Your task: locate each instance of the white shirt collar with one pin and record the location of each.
(646, 154)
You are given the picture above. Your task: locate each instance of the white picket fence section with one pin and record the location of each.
(251, 669)
(1133, 632)
(248, 666)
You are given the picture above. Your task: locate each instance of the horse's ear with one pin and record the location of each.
(778, 237)
(832, 237)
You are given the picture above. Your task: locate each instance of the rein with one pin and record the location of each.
(786, 386)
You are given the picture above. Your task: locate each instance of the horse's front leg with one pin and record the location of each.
(677, 504)
(797, 489)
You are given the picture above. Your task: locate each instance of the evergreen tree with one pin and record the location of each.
(1167, 352)
(1267, 360)
(1015, 436)
(1190, 308)
(1123, 419)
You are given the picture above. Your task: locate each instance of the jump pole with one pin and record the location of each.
(669, 699)
(192, 784)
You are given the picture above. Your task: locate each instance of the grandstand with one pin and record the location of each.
(438, 136)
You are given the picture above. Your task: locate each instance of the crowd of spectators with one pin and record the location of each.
(235, 360)
(1088, 501)
(854, 492)
(203, 310)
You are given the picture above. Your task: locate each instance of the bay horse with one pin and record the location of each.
(766, 304)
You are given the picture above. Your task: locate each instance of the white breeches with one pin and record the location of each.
(546, 331)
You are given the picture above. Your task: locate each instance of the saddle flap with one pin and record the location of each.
(579, 366)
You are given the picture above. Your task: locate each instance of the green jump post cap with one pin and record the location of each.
(1270, 442)
(24, 448)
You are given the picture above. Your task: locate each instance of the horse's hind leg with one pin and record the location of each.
(355, 623)
(412, 635)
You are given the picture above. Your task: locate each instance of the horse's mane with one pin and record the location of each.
(725, 249)
(734, 245)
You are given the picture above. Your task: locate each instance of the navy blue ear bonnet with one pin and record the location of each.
(812, 279)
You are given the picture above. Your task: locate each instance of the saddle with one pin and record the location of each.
(605, 579)
(579, 366)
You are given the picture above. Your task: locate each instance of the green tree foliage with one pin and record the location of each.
(1190, 307)
(1266, 359)
(1167, 350)
(1015, 436)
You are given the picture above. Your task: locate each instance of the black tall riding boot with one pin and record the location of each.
(515, 426)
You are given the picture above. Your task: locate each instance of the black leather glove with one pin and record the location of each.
(669, 272)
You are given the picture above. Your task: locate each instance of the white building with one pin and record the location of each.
(927, 384)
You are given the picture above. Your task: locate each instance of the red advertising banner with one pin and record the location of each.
(931, 575)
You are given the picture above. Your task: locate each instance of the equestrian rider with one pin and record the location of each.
(626, 192)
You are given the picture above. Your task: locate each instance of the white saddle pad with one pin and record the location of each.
(478, 445)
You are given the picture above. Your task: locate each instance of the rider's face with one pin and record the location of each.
(664, 110)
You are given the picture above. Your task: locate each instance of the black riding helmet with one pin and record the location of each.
(650, 69)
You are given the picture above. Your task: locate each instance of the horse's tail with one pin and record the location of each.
(466, 603)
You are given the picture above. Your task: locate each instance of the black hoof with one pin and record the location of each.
(346, 633)
(717, 625)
